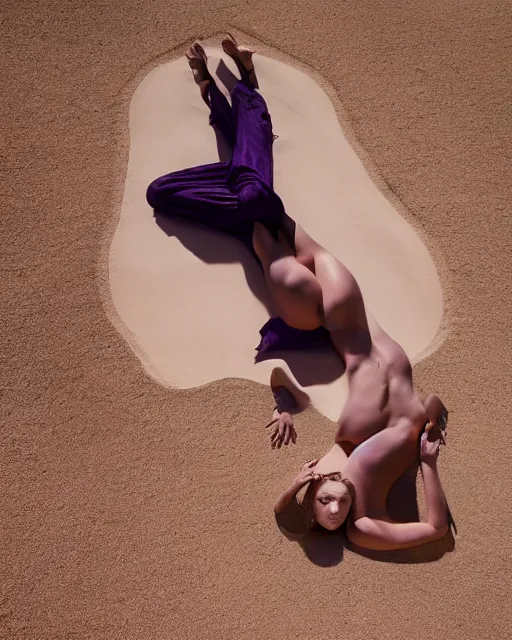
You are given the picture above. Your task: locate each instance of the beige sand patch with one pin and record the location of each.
(187, 297)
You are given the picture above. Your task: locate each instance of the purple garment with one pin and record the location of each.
(232, 196)
(276, 335)
(229, 196)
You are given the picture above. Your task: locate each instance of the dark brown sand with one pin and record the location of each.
(129, 511)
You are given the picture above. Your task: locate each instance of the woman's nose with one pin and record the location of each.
(334, 508)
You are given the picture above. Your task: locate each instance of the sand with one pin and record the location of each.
(110, 525)
(191, 301)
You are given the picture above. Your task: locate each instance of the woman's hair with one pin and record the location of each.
(309, 496)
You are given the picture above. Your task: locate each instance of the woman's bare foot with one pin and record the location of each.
(197, 61)
(243, 60)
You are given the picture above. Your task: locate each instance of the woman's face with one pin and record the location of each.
(331, 504)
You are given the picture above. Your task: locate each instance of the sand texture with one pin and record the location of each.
(131, 510)
(191, 300)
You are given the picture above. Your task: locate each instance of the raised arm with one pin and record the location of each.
(436, 411)
(304, 476)
(385, 535)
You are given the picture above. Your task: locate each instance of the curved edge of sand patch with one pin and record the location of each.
(191, 318)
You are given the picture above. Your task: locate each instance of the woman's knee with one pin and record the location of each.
(153, 193)
(259, 203)
(253, 195)
(161, 191)
(296, 279)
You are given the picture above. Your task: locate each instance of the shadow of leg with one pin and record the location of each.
(216, 247)
(226, 76)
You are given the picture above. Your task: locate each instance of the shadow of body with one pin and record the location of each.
(326, 548)
(309, 367)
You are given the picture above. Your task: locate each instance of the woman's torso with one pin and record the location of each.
(374, 466)
(381, 395)
(380, 391)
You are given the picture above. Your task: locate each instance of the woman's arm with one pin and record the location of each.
(437, 509)
(304, 476)
(435, 409)
(384, 535)
(286, 497)
(288, 399)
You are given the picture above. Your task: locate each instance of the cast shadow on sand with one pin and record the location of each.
(321, 366)
(214, 247)
(326, 549)
(188, 274)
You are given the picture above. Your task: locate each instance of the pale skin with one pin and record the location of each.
(382, 419)
(310, 288)
(383, 416)
(373, 468)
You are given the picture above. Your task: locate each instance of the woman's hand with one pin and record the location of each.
(306, 474)
(437, 413)
(430, 442)
(283, 431)
(303, 477)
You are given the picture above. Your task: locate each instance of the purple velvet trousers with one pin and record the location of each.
(232, 196)
(229, 196)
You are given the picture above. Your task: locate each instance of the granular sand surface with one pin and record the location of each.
(134, 511)
(191, 300)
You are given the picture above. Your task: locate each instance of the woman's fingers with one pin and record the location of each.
(279, 434)
(294, 435)
(271, 423)
(282, 428)
(312, 463)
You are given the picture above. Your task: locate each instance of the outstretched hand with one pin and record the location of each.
(283, 431)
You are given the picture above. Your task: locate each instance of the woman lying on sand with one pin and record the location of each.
(353, 489)
(315, 295)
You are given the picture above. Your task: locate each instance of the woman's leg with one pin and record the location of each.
(251, 168)
(252, 156)
(200, 194)
(293, 287)
(221, 115)
(229, 197)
